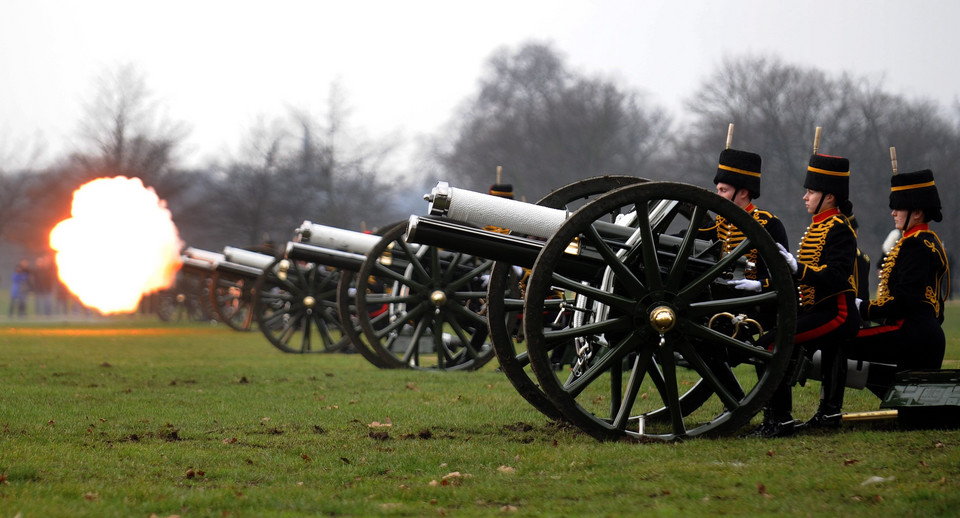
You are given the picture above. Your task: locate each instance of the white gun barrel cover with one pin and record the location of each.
(337, 238)
(247, 258)
(486, 210)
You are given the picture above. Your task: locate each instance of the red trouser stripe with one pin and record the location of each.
(871, 331)
(819, 331)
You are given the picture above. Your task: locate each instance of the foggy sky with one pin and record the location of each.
(220, 65)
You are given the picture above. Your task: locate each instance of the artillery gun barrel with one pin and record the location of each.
(336, 238)
(238, 270)
(326, 256)
(513, 249)
(203, 255)
(191, 265)
(486, 210)
(580, 260)
(247, 258)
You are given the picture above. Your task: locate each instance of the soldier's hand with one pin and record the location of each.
(791, 261)
(745, 284)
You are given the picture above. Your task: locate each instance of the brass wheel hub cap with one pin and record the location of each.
(662, 319)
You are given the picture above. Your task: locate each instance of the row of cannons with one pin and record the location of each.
(599, 302)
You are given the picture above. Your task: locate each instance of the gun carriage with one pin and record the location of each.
(226, 282)
(189, 296)
(661, 346)
(419, 305)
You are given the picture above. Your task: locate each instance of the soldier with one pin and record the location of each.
(738, 180)
(910, 298)
(825, 270)
(501, 190)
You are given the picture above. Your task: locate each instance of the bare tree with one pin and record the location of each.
(18, 163)
(304, 167)
(548, 126)
(126, 130)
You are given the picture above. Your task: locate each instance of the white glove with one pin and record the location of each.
(858, 302)
(745, 284)
(791, 261)
(485, 280)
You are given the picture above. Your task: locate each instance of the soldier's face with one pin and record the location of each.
(905, 219)
(812, 201)
(741, 197)
(726, 190)
(899, 218)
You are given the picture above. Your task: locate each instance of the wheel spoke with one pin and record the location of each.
(478, 320)
(712, 307)
(686, 247)
(651, 264)
(603, 296)
(305, 338)
(412, 353)
(622, 323)
(637, 372)
(692, 290)
(719, 340)
(707, 373)
(670, 394)
(620, 270)
(401, 320)
(608, 361)
(385, 271)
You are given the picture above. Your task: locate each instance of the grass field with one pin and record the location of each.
(135, 417)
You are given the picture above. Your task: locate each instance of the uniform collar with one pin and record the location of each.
(919, 227)
(749, 207)
(825, 214)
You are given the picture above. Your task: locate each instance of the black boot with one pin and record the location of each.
(777, 418)
(829, 415)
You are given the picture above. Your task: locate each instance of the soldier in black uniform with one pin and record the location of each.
(738, 180)
(910, 298)
(825, 270)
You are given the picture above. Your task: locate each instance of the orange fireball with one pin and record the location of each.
(119, 244)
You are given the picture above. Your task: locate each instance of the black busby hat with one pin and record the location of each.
(914, 190)
(740, 169)
(503, 190)
(829, 174)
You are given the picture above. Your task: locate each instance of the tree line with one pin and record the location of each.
(546, 124)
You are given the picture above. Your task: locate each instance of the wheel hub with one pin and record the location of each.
(309, 301)
(662, 318)
(438, 298)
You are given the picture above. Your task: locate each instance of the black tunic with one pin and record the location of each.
(909, 305)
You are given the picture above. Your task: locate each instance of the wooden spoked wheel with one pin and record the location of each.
(646, 298)
(505, 297)
(296, 307)
(424, 307)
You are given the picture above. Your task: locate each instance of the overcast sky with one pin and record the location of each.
(218, 65)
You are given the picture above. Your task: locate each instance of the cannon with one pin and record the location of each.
(226, 281)
(420, 306)
(296, 305)
(631, 328)
(189, 296)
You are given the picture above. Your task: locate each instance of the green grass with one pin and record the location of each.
(134, 417)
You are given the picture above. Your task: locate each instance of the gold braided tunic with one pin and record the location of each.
(912, 277)
(731, 236)
(826, 259)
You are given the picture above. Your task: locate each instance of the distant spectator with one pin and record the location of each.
(44, 282)
(19, 288)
